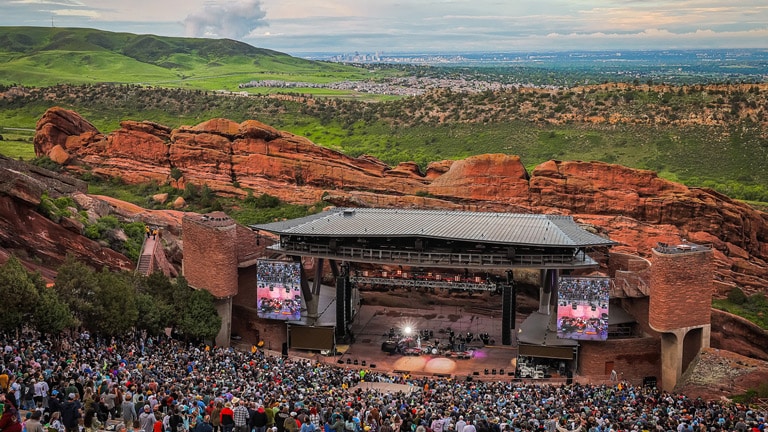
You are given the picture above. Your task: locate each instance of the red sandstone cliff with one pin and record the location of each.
(39, 242)
(634, 207)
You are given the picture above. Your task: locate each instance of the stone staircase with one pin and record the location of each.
(144, 265)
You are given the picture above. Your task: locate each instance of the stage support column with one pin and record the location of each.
(508, 305)
(334, 268)
(341, 300)
(305, 291)
(318, 276)
(347, 293)
(548, 285)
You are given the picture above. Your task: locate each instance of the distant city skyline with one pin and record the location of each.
(343, 26)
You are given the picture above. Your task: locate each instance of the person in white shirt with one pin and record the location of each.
(460, 424)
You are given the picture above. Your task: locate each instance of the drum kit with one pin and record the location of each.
(424, 343)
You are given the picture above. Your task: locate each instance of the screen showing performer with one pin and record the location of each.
(278, 292)
(582, 308)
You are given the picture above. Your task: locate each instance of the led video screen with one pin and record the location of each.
(278, 292)
(582, 308)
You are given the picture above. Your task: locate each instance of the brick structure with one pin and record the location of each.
(210, 262)
(680, 305)
(633, 358)
(631, 275)
(210, 253)
(681, 288)
(220, 257)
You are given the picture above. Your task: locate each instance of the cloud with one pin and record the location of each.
(232, 20)
(76, 13)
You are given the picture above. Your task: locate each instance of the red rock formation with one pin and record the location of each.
(26, 233)
(634, 207)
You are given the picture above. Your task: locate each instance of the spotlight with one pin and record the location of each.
(407, 330)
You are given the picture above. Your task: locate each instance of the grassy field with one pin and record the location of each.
(754, 308)
(17, 144)
(42, 57)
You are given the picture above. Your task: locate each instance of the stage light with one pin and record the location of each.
(407, 330)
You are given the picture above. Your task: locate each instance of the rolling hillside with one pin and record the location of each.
(40, 56)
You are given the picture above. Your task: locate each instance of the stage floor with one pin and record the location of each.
(372, 324)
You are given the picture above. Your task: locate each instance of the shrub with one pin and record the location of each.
(47, 163)
(737, 296)
(176, 173)
(48, 208)
(262, 201)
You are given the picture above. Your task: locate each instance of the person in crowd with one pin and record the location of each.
(259, 419)
(128, 410)
(281, 417)
(204, 425)
(147, 419)
(227, 418)
(71, 413)
(240, 416)
(9, 415)
(291, 424)
(56, 423)
(34, 424)
(216, 415)
(91, 422)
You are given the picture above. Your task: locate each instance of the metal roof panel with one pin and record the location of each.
(505, 228)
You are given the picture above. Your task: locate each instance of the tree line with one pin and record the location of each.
(105, 303)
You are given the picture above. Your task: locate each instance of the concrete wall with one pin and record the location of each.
(224, 309)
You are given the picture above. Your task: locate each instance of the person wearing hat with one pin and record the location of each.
(71, 412)
(128, 410)
(290, 424)
(227, 418)
(147, 419)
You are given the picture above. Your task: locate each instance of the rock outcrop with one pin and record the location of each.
(634, 207)
(716, 373)
(25, 232)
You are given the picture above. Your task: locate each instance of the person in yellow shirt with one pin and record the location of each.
(4, 381)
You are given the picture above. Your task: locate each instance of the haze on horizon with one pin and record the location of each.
(428, 26)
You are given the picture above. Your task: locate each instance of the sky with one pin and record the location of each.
(419, 26)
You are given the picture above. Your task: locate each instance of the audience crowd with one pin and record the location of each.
(143, 384)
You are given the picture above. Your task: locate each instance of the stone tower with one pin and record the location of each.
(680, 305)
(211, 262)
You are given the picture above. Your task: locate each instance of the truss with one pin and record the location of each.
(424, 283)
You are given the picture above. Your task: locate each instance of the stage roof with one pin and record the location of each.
(501, 228)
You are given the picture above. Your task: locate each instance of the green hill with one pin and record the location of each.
(41, 56)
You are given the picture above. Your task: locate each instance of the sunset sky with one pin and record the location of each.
(422, 26)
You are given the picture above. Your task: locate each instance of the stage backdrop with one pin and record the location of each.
(582, 308)
(278, 292)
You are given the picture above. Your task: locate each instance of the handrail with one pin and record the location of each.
(444, 259)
